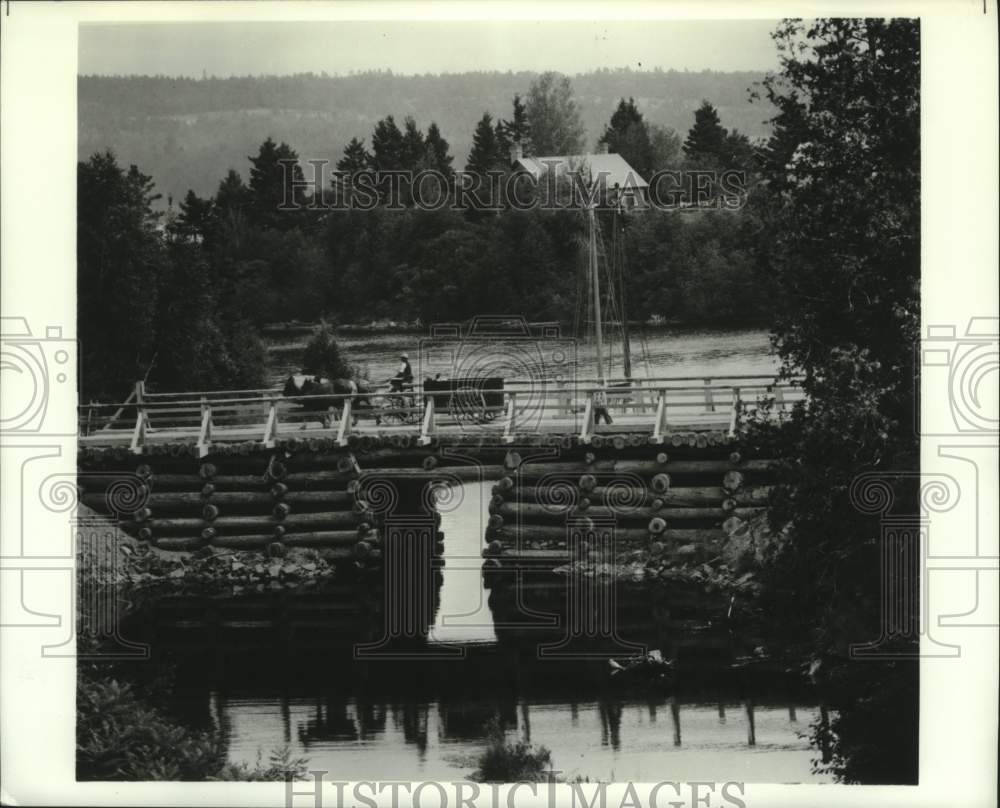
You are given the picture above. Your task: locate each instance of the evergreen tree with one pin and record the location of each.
(120, 258)
(513, 131)
(553, 117)
(356, 158)
(233, 196)
(517, 129)
(196, 219)
(485, 154)
(387, 146)
(706, 139)
(436, 149)
(413, 148)
(737, 151)
(275, 183)
(627, 134)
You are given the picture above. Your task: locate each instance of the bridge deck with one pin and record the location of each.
(652, 407)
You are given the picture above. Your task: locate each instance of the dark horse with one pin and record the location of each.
(325, 391)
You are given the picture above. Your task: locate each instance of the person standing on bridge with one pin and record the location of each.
(601, 406)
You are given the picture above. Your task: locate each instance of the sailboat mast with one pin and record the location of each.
(597, 297)
(619, 238)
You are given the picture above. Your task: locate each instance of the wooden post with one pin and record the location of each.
(566, 397)
(779, 397)
(139, 433)
(639, 401)
(587, 431)
(709, 402)
(427, 429)
(751, 723)
(661, 408)
(140, 394)
(271, 427)
(509, 417)
(205, 435)
(734, 418)
(345, 422)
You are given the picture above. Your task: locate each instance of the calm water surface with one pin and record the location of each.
(622, 740)
(363, 735)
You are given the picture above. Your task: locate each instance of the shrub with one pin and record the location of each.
(323, 358)
(503, 762)
(120, 736)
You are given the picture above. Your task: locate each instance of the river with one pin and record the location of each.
(680, 351)
(363, 719)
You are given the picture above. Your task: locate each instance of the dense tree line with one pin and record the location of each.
(194, 288)
(185, 132)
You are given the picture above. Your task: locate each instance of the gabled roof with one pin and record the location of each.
(607, 170)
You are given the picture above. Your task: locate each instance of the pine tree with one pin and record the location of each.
(233, 194)
(517, 129)
(197, 217)
(120, 258)
(737, 151)
(706, 139)
(387, 146)
(436, 150)
(627, 134)
(413, 146)
(356, 158)
(275, 186)
(485, 154)
(513, 131)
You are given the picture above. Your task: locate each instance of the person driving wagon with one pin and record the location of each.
(404, 376)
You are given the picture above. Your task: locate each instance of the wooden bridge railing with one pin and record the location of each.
(654, 406)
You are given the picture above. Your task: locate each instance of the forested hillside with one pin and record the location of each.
(186, 133)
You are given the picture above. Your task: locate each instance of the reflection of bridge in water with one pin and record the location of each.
(425, 715)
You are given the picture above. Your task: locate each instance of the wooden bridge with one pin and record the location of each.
(645, 410)
(256, 470)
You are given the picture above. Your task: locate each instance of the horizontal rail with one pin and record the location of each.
(655, 405)
(551, 387)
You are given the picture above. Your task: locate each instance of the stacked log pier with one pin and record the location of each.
(298, 494)
(686, 498)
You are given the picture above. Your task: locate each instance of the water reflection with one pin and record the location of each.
(596, 738)
(422, 709)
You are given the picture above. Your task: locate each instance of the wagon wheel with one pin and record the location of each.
(402, 404)
(384, 406)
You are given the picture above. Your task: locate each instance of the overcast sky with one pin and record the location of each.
(227, 49)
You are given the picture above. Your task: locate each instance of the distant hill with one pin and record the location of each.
(187, 133)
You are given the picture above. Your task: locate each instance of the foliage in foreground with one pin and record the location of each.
(503, 762)
(120, 735)
(842, 207)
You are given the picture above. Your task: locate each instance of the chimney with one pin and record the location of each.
(516, 151)
(602, 148)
